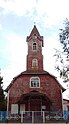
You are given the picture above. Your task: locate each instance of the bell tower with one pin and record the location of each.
(34, 56)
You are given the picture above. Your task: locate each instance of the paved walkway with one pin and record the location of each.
(38, 123)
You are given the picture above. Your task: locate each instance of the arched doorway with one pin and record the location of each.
(35, 101)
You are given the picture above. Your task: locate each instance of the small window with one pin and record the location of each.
(34, 46)
(35, 82)
(14, 108)
(34, 63)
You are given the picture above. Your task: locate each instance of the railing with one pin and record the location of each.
(34, 117)
(3, 115)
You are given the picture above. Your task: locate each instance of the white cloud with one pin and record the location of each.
(48, 52)
(17, 48)
(1, 28)
(48, 12)
(19, 7)
(66, 94)
(51, 12)
(10, 72)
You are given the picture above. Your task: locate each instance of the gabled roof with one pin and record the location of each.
(66, 101)
(33, 73)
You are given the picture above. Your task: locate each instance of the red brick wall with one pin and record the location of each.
(35, 54)
(48, 86)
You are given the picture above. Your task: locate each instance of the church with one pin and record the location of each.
(34, 89)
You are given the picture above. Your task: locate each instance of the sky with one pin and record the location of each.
(17, 18)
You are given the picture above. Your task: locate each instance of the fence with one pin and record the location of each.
(34, 117)
(3, 116)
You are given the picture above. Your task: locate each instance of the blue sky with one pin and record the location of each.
(17, 19)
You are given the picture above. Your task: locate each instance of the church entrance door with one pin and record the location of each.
(35, 104)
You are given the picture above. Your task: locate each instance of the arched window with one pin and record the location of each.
(34, 82)
(34, 63)
(34, 46)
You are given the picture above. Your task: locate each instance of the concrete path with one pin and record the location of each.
(38, 123)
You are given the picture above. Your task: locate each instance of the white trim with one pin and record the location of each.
(14, 108)
(22, 108)
(33, 47)
(34, 86)
(62, 102)
(7, 103)
(34, 63)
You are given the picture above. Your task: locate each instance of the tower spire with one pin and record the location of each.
(35, 57)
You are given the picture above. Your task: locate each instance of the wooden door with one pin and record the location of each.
(35, 104)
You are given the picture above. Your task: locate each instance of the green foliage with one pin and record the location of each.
(2, 96)
(64, 38)
(62, 57)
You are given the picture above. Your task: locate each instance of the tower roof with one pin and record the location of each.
(34, 31)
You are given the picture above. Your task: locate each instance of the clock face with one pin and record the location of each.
(35, 36)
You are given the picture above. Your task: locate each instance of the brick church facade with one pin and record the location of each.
(34, 89)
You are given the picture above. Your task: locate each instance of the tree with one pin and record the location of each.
(62, 60)
(2, 96)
